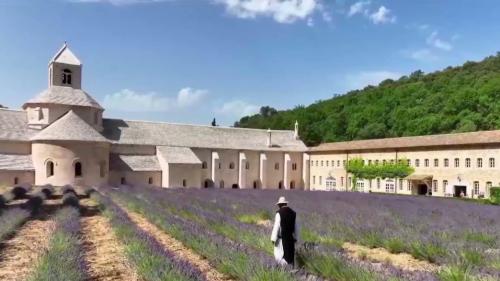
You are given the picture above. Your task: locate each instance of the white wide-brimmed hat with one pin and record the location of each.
(282, 200)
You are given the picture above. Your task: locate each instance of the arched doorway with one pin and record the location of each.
(221, 184)
(208, 183)
(255, 185)
(235, 186)
(292, 185)
(280, 185)
(422, 189)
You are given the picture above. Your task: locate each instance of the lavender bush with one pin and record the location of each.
(152, 261)
(63, 260)
(10, 220)
(443, 231)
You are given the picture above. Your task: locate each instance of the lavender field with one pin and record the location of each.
(231, 228)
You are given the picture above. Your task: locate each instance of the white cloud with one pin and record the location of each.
(424, 55)
(131, 101)
(282, 11)
(365, 78)
(382, 15)
(434, 41)
(360, 7)
(237, 109)
(119, 2)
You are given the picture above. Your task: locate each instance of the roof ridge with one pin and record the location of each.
(197, 125)
(409, 137)
(10, 109)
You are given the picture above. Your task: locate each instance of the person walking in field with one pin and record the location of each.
(285, 233)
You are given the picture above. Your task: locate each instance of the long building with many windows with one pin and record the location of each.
(464, 164)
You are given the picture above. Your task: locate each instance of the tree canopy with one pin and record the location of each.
(456, 99)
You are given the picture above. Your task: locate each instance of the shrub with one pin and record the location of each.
(68, 189)
(495, 195)
(395, 245)
(70, 199)
(48, 190)
(34, 203)
(20, 191)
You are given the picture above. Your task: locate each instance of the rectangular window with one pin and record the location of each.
(434, 186)
(457, 162)
(467, 162)
(312, 163)
(408, 185)
(392, 161)
(343, 163)
(349, 181)
(408, 162)
(445, 185)
(384, 162)
(327, 163)
(320, 180)
(378, 183)
(389, 186)
(417, 162)
(321, 163)
(476, 188)
(314, 179)
(342, 181)
(369, 162)
(436, 162)
(317, 163)
(492, 162)
(400, 184)
(370, 184)
(376, 162)
(446, 162)
(338, 163)
(479, 162)
(426, 162)
(333, 163)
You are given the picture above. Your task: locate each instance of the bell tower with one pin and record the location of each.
(65, 69)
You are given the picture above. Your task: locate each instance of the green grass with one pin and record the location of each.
(395, 245)
(480, 237)
(427, 251)
(262, 215)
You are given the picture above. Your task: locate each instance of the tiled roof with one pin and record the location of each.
(473, 138)
(136, 163)
(65, 96)
(178, 155)
(14, 162)
(168, 134)
(65, 55)
(70, 127)
(13, 126)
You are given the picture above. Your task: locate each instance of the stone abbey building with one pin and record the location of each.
(60, 137)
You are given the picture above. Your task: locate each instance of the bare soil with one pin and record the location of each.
(184, 253)
(104, 255)
(19, 255)
(265, 223)
(403, 260)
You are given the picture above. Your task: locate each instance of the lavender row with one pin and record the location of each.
(151, 260)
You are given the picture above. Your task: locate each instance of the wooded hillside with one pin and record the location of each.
(457, 99)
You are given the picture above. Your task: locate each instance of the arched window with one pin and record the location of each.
(123, 180)
(231, 165)
(221, 185)
(204, 165)
(277, 166)
(255, 185)
(150, 180)
(16, 180)
(247, 165)
(184, 183)
(78, 169)
(280, 185)
(292, 185)
(49, 167)
(66, 78)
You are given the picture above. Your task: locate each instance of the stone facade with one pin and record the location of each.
(61, 138)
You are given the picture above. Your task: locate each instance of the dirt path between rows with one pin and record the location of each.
(19, 255)
(177, 247)
(402, 260)
(103, 254)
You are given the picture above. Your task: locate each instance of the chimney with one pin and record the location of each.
(269, 143)
(296, 132)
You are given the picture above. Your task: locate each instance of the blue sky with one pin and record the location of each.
(192, 60)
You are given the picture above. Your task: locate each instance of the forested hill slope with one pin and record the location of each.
(457, 99)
